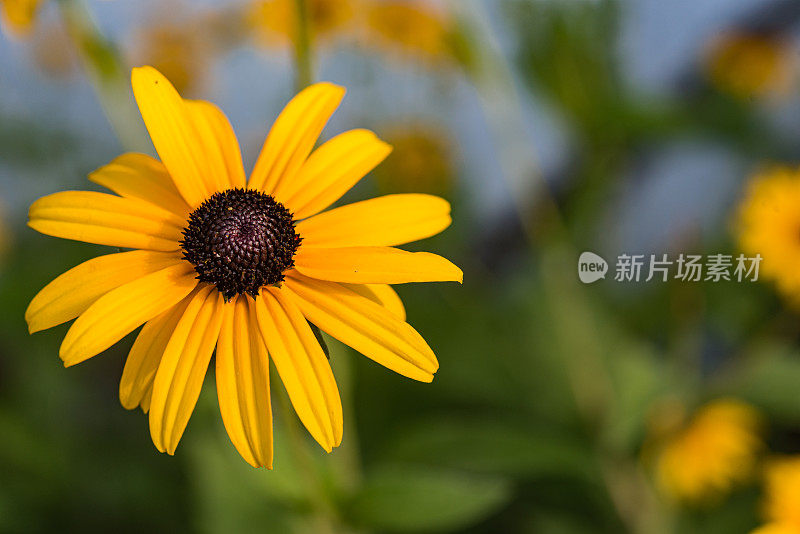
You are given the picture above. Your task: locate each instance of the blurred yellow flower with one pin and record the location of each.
(782, 493)
(777, 528)
(420, 162)
(750, 65)
(17, 16)
(411, 28)
(274, 22)
(179, 51)
(769, 224)
(241, 266)
(704, 458)
(54, 51)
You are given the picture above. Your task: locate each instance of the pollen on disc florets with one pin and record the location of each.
(240, 240)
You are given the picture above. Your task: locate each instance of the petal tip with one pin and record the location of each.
(427, 378)
(334, 87)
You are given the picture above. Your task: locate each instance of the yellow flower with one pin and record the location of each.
(240, 265)
(769, 224)
(750, 65)
(782, 489)
(421, 161)
(18, 15)
(409, 28)
(712, 453)
(275, 21)
(54, 51)
(180, 52)
(777, 528)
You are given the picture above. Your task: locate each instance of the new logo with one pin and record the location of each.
(591, 267)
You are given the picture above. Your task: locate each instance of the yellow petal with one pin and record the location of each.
(293, 135)
(379, 222)
(174, 134)
(144, 177)
(73, 292)
(136, 384)
(106, 220)
(302, 366)
(243, 384)
(364, 325)
(374, 265)
(183, 367)
(382, 294)
(330, 171)
(17, 16)
(219, 145)
(148, 396)
(122, 310)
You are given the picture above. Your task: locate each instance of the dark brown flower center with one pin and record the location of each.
(240, 240)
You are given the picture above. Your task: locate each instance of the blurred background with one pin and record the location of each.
(553, 127)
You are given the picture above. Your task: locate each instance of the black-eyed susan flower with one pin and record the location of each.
(704, 458)
(54, 51)
(274, 22)
(422, 161)
(769, 224)
(747, 65)
(409, 28)
(179, 51)
(17, 16)
(239, 265)
(781, 496)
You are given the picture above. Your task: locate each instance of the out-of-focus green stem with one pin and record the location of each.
(348, 454)
(104, 69)
(302, 46)
(586, 369)
(325, 514)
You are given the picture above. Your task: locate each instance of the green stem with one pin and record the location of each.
(348, 454)
(324, 510)
(104, 69)
(302, 46)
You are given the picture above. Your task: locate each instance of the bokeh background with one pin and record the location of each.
(553, 127)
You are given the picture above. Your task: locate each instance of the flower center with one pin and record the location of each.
(240, 240)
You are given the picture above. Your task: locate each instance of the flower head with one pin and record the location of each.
(275, 21)
(782, 489)
(179, 51)
(240, 266)
(18, 16)
(421, 161)
(413, 29)
(769, 224)
(748, 65)
(706, 457)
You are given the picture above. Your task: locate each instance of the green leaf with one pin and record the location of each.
(769, 378)
(488, 445)
(414, 499)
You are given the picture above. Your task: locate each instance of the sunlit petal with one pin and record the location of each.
(375, 265)
(384, 221)
(106, 220)
(302, 366)
(293, 135)
(330, 171)
(143, 177)
(364, 325)
(183, 367)
(73, 292)
(120, 311)
(243, 384)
